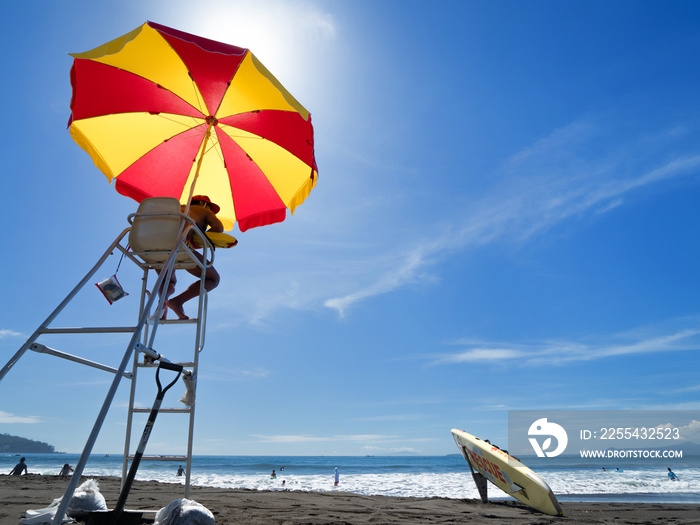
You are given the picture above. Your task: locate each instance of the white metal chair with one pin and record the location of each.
(156, 228)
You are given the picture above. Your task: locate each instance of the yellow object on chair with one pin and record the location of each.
(218, 239)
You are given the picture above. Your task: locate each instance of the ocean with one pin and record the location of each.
(570, 478)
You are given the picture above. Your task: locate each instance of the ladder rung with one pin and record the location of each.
(174, 410)
(89, 330)
(178, 321)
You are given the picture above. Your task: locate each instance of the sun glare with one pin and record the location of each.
(282, 35)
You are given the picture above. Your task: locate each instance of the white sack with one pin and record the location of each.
(86, 498)
(184, 512)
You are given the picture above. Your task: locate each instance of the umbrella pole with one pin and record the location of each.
(211, 121)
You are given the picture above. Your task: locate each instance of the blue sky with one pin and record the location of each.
(506, 218)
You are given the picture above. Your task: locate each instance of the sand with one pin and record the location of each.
(233, 506)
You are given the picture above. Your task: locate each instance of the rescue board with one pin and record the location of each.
(219, 240)
(507, 473)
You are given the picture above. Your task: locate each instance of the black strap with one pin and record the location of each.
(121, 259)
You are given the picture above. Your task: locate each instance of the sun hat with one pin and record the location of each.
(214, 207)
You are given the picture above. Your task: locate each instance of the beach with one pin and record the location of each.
(291, 507)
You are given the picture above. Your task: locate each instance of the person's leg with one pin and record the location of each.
(211, 281)
(169, 291)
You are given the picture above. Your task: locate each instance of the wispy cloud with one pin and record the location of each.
(391, 450)
(542, 186)
(8, 333)
(406, 271)
(565, 352)
(314, 439)
(556, 181)
(229, 374)
(694, 388)
(393, 417)
(8, 418)
(691, 431)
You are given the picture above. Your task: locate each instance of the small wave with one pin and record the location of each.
(403, 477)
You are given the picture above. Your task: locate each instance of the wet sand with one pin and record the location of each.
(233, 506)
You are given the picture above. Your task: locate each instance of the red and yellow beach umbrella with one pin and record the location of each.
(161, 111)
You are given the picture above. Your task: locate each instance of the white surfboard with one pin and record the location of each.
(507, 473)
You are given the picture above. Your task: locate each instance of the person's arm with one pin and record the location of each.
(215, 224)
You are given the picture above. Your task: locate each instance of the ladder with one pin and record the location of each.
(140, 349)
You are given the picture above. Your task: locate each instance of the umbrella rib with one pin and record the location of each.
(181, 102)
(248, 135)
(197, 94)
(165, 117)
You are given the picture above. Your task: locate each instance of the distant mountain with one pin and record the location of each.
(687, 447)
(19, 445)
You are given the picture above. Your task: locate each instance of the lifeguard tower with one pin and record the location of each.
(154, 240)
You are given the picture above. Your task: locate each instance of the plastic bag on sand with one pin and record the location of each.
(41, 516)
(86, 498)
(184, 512)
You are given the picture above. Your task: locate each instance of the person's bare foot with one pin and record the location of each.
(165, 313)
(176, 308)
